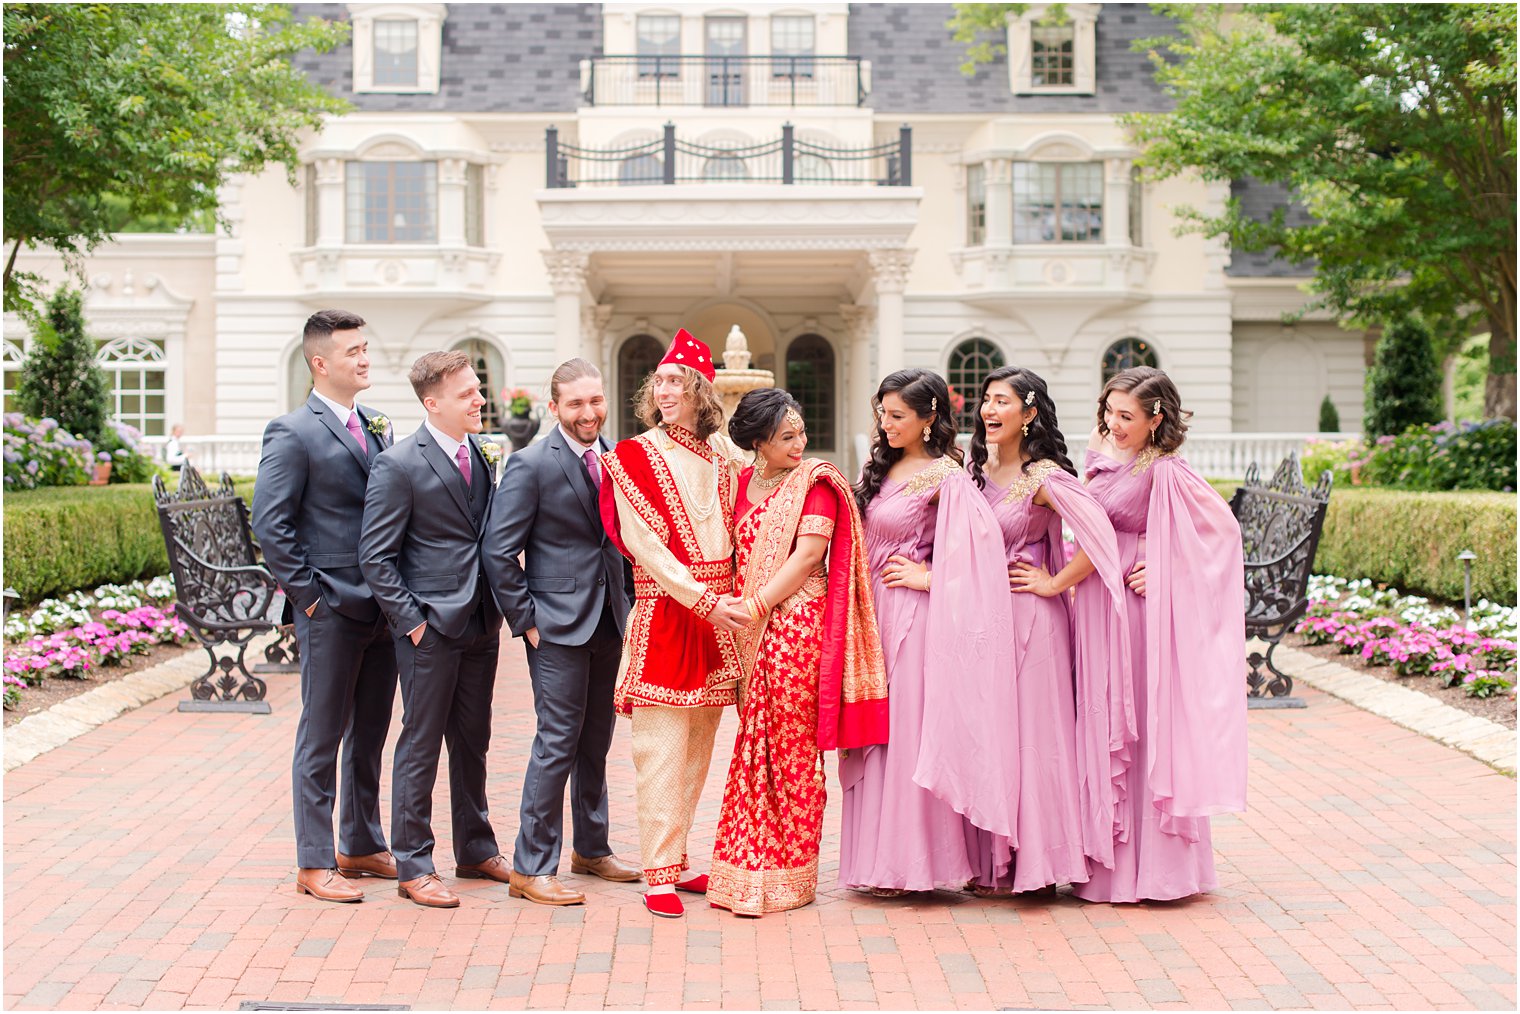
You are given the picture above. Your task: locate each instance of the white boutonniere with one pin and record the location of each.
(491, 451)
(379, 425)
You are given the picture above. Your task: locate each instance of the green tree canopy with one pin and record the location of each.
(122, 111)
(1393, 124)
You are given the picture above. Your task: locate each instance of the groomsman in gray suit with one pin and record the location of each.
(420, 552)
(307, 504)
(568, 599)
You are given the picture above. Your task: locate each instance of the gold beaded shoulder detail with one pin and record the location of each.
(1024, 487)
(1148, 457)
(928, 479)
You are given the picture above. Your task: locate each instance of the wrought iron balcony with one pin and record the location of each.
(787, 160)
(725, 81)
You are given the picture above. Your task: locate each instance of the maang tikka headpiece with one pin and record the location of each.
(793, 418)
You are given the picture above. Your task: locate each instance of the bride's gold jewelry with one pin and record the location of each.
(793, 418)
(760, 481)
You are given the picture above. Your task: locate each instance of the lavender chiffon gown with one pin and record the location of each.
(903, 801)
(1193, 590)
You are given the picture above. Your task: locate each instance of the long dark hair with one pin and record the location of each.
(1157, 396)
(926, 393)
(1044, 441)
(759, 415)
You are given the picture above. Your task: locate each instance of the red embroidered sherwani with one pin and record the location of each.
(668, 505)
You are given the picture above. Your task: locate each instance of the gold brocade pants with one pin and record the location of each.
(672, 749)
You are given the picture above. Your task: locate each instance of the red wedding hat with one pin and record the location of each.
(688, 351)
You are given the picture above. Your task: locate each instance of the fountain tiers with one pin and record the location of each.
(736, 379)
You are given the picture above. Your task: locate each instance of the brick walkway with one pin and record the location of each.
(148, 864)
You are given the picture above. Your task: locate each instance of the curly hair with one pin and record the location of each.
(1044, 442)
(927, 394)
(699, 391)
(759, 415)
(1157, 396)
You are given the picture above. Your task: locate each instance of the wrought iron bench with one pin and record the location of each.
(1280, 525)
(223, 594)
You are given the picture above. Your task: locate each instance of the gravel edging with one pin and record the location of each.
(1488, 741)
(47, 730)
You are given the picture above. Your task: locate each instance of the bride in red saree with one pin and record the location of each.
(813, 673)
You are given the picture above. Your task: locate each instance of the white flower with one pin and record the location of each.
(491, 451)
(379, 425)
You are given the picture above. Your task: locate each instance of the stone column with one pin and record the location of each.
(594, 318)
(330, 202)
(452, 184)
(860, 383)
(1116, 202)
(567, 276)
(997, 177)
(890, 273)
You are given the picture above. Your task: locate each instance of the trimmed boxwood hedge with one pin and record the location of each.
(1411, 540)
(69, 537)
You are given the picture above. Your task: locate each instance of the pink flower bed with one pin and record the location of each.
(1482, 665)
(78, 650)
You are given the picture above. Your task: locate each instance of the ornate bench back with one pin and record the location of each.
(1280, 524)
(217, 578)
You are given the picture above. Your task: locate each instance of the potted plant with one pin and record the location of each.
(102, 473)
(521, 423)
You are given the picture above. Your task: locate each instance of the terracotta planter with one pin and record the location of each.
(102, 474)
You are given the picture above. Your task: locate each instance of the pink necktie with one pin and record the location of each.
(463, 457)
(353, 427)
(595, 469)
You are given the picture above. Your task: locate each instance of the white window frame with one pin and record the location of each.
(141, 356)
(1083, 19)
(429, 19)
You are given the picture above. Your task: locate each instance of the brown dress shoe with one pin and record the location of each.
(496, 868)
(607, 867)
(428, 891)
(543, 890)
(376, 864)
(326, 885)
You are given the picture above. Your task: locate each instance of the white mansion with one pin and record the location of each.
(535, 181)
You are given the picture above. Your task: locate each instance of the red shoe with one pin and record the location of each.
(666, 906)
(696, 885)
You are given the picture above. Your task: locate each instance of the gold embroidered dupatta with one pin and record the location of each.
(852, 682)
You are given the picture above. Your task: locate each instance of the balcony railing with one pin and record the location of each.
(788, 160)
(725, 81)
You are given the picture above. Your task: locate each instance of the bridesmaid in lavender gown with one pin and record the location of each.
(947, 656)
(1070, 649)
(1181, 551)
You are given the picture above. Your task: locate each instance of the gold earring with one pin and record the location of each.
(926, 434)
(1026, 429)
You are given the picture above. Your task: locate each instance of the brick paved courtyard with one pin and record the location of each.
(148, 864)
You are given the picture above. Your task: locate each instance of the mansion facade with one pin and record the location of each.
(534, 181)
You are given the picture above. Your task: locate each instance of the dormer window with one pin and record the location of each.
(397, 47)
(396, 53)
(1053, 54)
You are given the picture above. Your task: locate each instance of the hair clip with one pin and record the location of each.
(933, 404)
(1029, 398)
(1156, 409)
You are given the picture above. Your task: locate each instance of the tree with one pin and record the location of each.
(59, 379)
(122, 111)
(1404, 384)
(1329, 418)
(1393, 125)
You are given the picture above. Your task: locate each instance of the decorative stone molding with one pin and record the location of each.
(890, 268)
(1083, 20)
(859, 320)
(567, 270)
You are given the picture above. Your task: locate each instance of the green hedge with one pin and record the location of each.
(61, 539)
(1411, 540)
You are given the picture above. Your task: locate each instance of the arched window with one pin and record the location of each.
(721, 168)
(812, 168)
(970, 362)
(637, 170)
(1127, 352)
(636, 360)
(810, 379)
(488, 366)
(13, 358)
(135, 369)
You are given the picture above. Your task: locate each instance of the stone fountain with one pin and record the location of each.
(736, 379)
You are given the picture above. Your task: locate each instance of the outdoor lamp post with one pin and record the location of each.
(1467, 556)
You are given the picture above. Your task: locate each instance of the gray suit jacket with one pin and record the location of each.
(547, 511)
(307, 504)
(420, 546)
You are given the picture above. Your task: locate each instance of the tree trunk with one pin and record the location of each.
(1499, 391)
